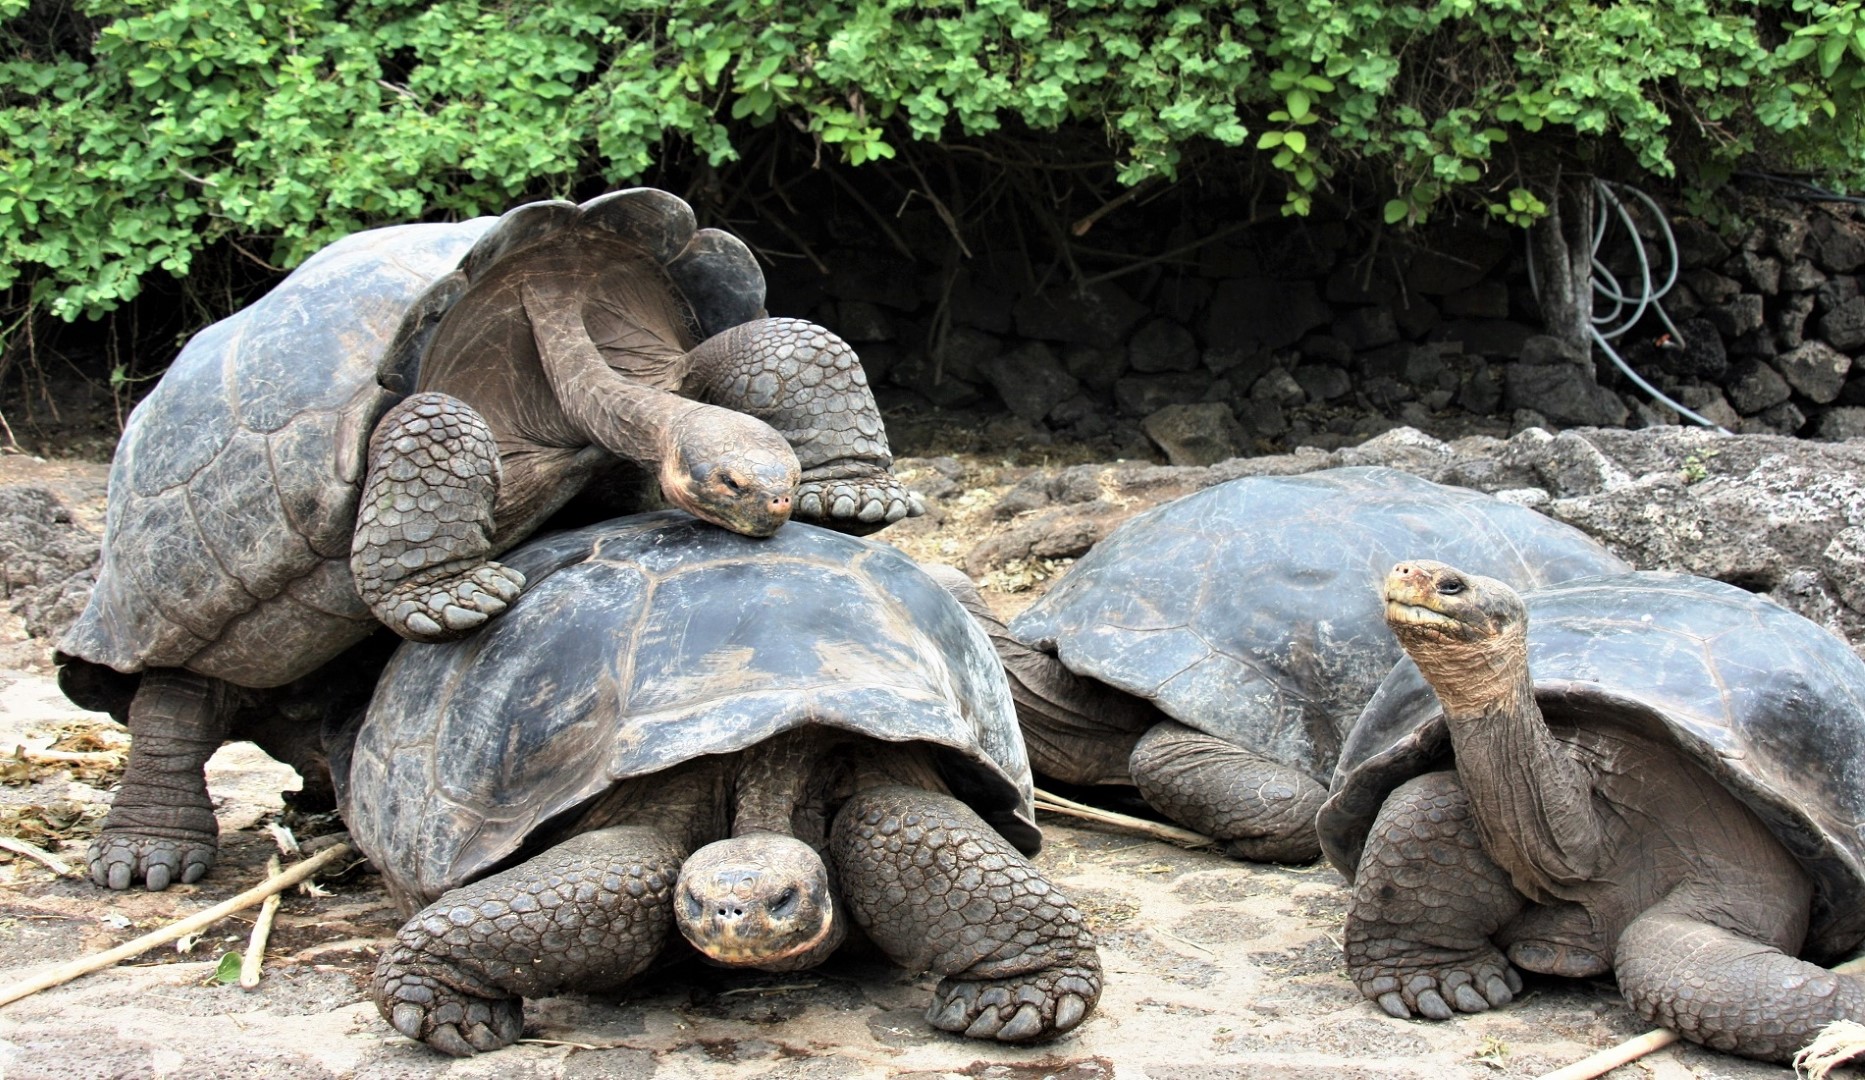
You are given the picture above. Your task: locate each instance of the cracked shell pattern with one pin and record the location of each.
(287, 386)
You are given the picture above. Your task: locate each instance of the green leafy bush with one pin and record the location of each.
(138, 132)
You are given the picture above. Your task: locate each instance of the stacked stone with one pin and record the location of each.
(1310, 334)
(1772, 326)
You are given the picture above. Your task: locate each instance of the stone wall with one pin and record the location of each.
(1322, 333)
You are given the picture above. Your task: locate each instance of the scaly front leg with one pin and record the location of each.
(590, 913)
(808, 384)
(420, 554)
(938, 889)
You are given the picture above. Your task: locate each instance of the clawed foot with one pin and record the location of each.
(451, 1022)
(446, 606)
(857, 506)
(1016, 1009)
(122, 856)
(1474, 984)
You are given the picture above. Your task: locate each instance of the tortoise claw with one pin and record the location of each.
(452, 1022)
(1022, 1009)
(119, 858)
(446, 606)
(856, 506)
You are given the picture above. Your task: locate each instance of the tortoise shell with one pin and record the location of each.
(1251, 610)
(647, 641)
(1769, 703)
(234, 490)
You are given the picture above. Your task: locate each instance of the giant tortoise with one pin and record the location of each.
(763, 742)
(1652, 774)
(277, 491)
(1214, 650)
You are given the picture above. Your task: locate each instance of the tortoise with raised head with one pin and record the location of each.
(278, 492)
(1214, 650)
(767, 744)
(1651, 774)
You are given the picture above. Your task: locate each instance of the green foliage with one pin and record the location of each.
(137, 132)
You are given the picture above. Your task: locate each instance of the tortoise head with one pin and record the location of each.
(1468, 634)
(761, 900)
(731, 469)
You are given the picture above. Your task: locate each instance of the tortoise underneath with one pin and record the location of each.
(1651, 774)
(769, 744)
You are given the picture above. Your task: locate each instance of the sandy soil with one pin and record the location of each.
(1215, 968)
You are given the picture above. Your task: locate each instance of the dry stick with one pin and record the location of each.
(262, 930)
(33, 851)
(1172, 834)
(64, 973)
(1638, 1046)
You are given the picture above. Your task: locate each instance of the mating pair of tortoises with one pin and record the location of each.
(1686, 811)
(642, 740)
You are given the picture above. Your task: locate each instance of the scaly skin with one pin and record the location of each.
(808, 383)
(588, 914)
(1625, 847)
(161, 826)
(937, 889)
(1727, 990)
(1263, 810)
(1426, 901)
(423, 540)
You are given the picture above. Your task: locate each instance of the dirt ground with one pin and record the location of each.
(1214, 968)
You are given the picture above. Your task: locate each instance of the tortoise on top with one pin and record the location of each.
(236, 558)
(1214, 650)
(1652, 774)
(764, 743)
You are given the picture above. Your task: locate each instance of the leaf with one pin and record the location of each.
(1296, 141)
(1299, 103)
(1396, 209)
(1832, 50)
(1269, 140)
(228, 970)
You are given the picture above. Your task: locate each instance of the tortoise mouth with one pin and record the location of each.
(735, 949)
(1401, 613)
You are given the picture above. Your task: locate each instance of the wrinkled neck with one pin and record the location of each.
(1532, 801)
(773, 779)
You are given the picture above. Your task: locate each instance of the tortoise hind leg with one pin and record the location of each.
(1262, 809)
(424, 526)
(1426, 901)
(161, 826)
(590, 913)
(938, 889)
(808, 384)
(1680, 965)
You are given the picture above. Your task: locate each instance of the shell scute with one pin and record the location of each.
(1250, 610)
(657, 644)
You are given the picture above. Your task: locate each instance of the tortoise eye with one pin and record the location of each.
(731, 482)
(1450, 586)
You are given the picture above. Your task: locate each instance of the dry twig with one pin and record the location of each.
(262, 930)
(1639, 1045)
(33, 851)
(64, 973)
(1171, 834)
